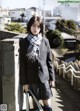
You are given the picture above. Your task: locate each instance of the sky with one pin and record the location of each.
(11, 4)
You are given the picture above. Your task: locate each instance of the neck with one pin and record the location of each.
(34, 34)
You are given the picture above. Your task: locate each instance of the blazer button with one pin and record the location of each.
(39, 67)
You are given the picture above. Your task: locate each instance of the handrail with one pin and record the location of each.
(62, 66)
(70, 66)
(67, 69)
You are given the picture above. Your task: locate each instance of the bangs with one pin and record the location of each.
(31, 22)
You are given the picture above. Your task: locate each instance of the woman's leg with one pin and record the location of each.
(47, 102)
(47, 105)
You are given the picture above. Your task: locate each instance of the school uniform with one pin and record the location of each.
(37, 73)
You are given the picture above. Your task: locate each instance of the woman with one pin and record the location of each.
(36, 68)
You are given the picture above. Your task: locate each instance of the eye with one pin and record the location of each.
(34, 25)
(38, 26)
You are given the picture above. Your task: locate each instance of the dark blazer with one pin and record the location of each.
(42, 68)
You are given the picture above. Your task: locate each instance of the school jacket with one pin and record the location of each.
(41, 69)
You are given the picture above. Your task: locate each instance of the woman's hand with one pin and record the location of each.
(52, 84)
(26, 88)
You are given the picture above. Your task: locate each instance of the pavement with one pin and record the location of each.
(65, 98)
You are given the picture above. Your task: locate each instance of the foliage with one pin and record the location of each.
(60, 24)
(71, 24)
(67, 26)
(55, 38)
(15, 27)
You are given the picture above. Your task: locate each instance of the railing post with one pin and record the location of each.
(64, 72)
(72, 78)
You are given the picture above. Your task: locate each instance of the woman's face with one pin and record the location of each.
(35, 28)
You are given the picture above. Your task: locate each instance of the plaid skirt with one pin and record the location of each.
(42, 91)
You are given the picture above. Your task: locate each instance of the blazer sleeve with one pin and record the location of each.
(50, 63)
(23, 69)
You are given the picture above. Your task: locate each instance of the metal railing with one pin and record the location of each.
(67, 69)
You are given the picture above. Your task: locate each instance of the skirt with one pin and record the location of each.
(42, 91)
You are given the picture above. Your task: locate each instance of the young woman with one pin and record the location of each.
(36, 67)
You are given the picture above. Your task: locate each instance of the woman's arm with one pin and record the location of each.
(23, 69)
(50, 64)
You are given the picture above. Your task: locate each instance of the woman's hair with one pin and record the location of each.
(32, 20)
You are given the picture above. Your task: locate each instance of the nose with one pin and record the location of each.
(35, 29)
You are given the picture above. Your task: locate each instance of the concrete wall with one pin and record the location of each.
(8, 79)
(7, 34)
(9, 71)
(3, 35)
(9, 45)
(0, 76)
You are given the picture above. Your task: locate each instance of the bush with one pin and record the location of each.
(15, 27)
(55, 38)
(67, 26)
(71, 24)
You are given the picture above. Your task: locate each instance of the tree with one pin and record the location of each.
(22, 16)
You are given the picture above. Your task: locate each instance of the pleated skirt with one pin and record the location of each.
(42, 91)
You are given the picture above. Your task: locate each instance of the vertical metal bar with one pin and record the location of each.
(72, 79)
(27, 102)
(64, 73)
